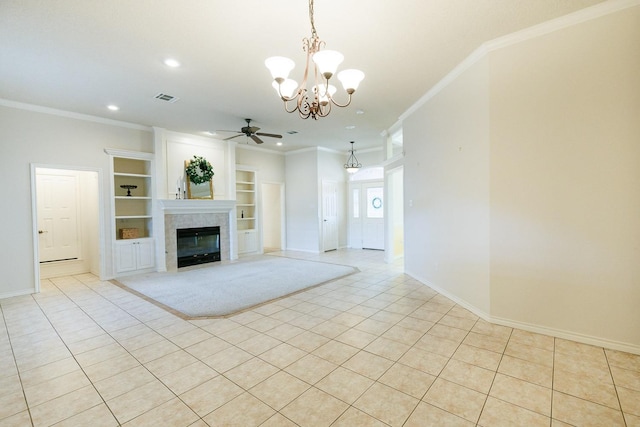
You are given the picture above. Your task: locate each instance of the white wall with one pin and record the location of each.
(35, 137)
(271, 200)
(446, 190)
(173, 149)
(271, 165)
(302, 207)
(523, 173)
(369, 157)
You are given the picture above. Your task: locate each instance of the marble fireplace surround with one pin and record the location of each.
(196, 213)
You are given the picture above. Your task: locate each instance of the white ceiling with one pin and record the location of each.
(81, 55)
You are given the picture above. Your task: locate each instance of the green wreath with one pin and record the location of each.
(199, 170)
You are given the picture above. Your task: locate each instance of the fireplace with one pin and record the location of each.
(198, 245)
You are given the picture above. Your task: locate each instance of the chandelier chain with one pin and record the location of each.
(314, 34)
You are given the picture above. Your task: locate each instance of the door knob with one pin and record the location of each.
(42, 231)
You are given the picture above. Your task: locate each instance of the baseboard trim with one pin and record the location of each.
(531, 327)
(475, 310)
(308, 251)
(568, 335)
(18, 293)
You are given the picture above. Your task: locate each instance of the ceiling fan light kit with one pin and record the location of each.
(316, 103)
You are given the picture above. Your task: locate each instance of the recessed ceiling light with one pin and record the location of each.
(113, 107)
(360, 111)
(351, 127)
(279, 143)
(170, 62)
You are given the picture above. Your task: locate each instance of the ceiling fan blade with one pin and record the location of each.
(231, 137)
(270, 135)
(256, 139)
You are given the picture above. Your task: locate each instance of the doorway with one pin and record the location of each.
(273, 225)
(395, 214)
(366, 215)
(67, 222)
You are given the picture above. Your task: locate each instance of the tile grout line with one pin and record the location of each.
(71, 353)
(615, 387)
(15, 361)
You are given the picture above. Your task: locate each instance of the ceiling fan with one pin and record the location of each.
(252, 132)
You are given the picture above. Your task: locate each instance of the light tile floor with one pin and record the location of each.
(376, 348)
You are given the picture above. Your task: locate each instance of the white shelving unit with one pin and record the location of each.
(246, 211)
(132, 211)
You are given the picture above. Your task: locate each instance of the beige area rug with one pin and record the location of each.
(226, 288)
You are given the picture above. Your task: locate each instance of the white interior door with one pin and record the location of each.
(57, 216)
(329, 215)
(372, 212)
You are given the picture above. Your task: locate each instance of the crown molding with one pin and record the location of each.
(72, 115)
(260, 149)
(569, 20)
(301, 150)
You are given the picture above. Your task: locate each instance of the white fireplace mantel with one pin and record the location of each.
(191, 206)
(170, 209)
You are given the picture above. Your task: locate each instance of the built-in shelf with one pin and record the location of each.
(141, 175)
(132, 198)
(132, 211)
(246, 211)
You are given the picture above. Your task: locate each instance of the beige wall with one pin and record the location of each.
(446, 190)
(270, 165)
(47, 139)
(565, 179)
(525, 180)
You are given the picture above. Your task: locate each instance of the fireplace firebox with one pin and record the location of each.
(198, 245)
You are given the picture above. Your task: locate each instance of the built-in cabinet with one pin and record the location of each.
(134, 255)
(246, 210)
(132, 211)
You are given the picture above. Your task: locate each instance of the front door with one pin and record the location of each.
(329, 215)
(57, 215)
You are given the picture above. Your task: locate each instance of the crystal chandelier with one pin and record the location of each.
(316, 103)
(352, 164)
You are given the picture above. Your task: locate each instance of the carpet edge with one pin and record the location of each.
(185, 316)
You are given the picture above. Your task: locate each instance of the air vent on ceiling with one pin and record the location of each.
(164, 97)
(292, 132)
